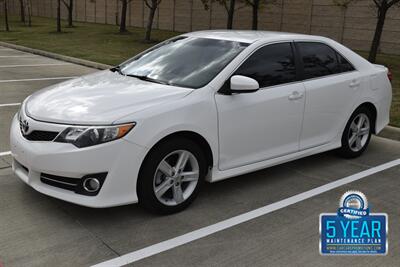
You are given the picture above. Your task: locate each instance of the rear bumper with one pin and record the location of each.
(120, 159)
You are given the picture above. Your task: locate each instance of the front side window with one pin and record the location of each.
(184, 61)
(318, 59)
(270, 65)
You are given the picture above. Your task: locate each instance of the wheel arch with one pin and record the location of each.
(374, 112)
(191, 135)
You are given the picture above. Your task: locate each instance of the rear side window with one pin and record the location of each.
(344, 65)
(318, 59)
(270, 65)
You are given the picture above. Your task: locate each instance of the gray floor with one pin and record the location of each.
(36, 230)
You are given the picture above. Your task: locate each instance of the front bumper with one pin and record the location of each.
(120, 159)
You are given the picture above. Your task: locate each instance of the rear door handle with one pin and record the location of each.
(354, 84)
(295, 95)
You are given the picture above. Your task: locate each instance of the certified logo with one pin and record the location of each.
(353, 230)
(353, 205)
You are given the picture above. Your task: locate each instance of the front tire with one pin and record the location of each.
(171, 176)
(357, 134)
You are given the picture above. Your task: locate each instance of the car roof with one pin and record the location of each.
(248, 36)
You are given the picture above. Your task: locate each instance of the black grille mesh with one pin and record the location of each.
(41, 136)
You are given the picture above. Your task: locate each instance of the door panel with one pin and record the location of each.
(331, 89)
(257, 126)
(328, 103)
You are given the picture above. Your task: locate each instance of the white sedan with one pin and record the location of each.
(203, 106)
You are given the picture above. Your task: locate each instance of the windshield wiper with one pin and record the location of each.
(140, 77)
(147, 78)
(117, 69)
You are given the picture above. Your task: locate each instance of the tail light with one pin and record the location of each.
(390, 75)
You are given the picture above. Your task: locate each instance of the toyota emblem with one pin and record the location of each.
(24, 125)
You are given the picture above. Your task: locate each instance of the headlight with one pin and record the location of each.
(90, 136)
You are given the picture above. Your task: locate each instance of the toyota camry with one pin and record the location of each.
(203, 106)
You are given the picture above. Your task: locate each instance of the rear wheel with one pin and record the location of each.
(171, 176)
(357, 133)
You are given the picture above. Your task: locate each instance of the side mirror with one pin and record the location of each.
(243, 84)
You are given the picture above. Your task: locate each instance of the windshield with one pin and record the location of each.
(184, 61)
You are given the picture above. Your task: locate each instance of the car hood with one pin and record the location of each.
(98, 98)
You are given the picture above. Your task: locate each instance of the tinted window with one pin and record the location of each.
(318, 59)
(270, 65)
(187, 62)
(344, 65)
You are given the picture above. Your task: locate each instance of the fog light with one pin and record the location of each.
(91, 185)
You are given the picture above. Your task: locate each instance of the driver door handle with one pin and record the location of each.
(295, 95)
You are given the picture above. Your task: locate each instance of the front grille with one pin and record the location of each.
(41, 136)
(59, 181)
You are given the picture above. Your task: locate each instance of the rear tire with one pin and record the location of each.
(357, 134)
(171, 176)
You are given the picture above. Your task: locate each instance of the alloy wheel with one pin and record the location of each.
(359, 132)
(176, 177)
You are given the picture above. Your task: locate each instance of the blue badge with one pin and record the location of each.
(353, 230)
